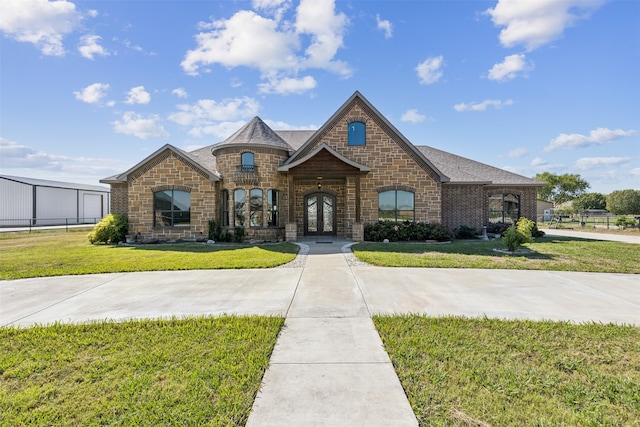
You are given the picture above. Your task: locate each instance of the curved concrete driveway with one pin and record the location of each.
(328, 366)
(578, 297)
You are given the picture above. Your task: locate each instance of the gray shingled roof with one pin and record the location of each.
(295, 138)
(255, 133)
(461, 170)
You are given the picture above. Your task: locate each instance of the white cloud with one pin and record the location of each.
(482, 106)
(40, 22)
(220, 130)
(206, 112)
(596, 137)
(538, 162)
(287, 85)
(385, 26)
(275, 8)
(40, 163)
(93, 94)
(536, 23)
(509, 68)
(138, 95)
(635, 171)
(280, 49)
(518, 153)
(413, 116)
(139, 126)
(93, 13)
(276, 125)
(587, 163)
(429, 71)
(89, 46)
(179, 92)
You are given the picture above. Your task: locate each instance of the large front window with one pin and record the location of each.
(239, 203)
(255, 207)
(504, 208)
(171, 208)
(396, 205)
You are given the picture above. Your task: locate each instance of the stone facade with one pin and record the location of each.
(322, 164)
(170, 172)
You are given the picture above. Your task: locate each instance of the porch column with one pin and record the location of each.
(292, 199)
(358, 198)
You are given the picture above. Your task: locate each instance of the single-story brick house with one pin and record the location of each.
(356, 169)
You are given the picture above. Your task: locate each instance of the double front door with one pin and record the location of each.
(320, 215)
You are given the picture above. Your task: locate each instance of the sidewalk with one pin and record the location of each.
(329, 366)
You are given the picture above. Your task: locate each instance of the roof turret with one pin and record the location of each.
(255, 133)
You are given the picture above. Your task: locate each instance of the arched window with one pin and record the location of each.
(255, 208)
(396, 205)
(273, 203)
(171, 208)
(224, 211)
(357, 133)
(504, 208)
(239, 203)
(247, 162)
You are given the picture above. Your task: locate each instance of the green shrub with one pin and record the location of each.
(497, 227)
(623, 221)
(214, 231)
(519, 234)
(406, 231)
(465, 232)
(111, 229)
(238, 234)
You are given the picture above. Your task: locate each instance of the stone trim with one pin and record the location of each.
(329, 191)
(353, 119)
(396, 187)
(171, 187)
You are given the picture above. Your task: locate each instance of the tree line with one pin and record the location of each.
(559, 189)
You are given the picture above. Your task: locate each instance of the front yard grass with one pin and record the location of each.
(196, 371)
(480, 372)
(549, 253)
(56, 253)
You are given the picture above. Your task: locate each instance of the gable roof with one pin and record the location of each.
(461, 170)
(255, 133)
(191, 159)
(375, 115)
(285, 167)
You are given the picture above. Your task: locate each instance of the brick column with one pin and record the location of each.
(357, 232)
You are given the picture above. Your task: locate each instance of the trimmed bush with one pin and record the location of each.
(111, 229)
(406, 231)
(238, 234)
(465, 232)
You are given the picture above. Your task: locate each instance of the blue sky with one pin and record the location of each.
(90, 88)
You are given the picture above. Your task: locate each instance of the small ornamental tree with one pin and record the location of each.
(111, 229)
(519, 234)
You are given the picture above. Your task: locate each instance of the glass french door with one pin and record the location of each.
(320, 215)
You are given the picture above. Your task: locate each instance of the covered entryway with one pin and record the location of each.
(324, 194)
(320, 215)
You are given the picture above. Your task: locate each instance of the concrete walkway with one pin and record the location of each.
(328, 366)
(614, 237)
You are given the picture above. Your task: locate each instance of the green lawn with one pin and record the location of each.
(55, 253)
(198, 371)
(478, 372)
(550, 253)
